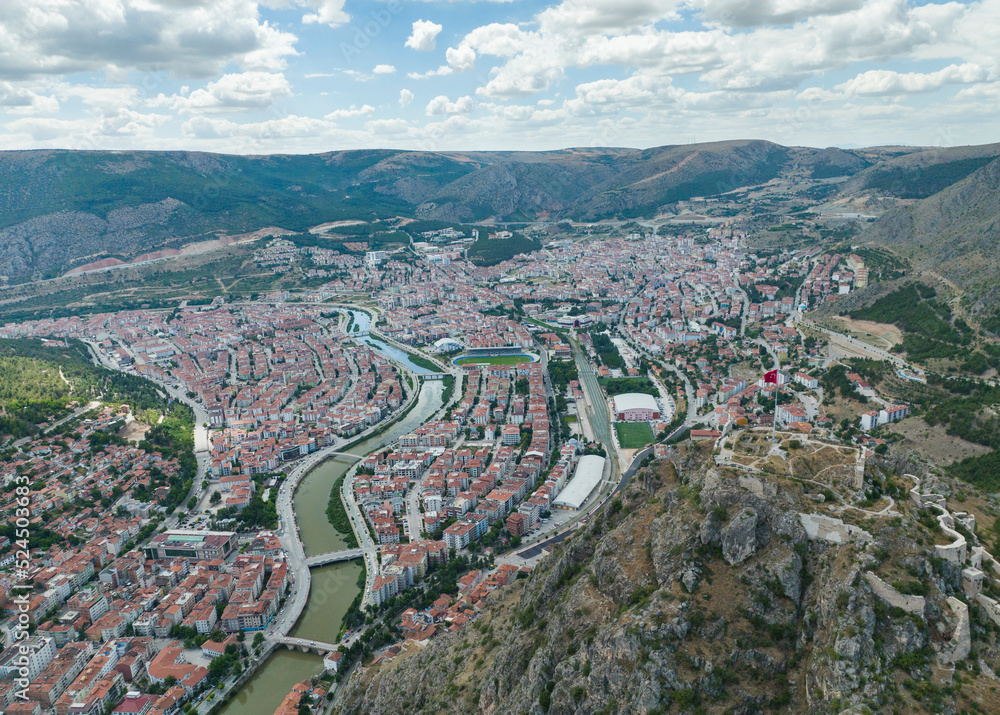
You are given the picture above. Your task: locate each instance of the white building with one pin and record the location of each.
(588, 475)
(806, 380)
(893, 413)
(636, 407)
(373, 258)
(33, 653)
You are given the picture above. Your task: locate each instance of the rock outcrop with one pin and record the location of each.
(700, 592)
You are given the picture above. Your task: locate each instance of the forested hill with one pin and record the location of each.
(40, 382)
(118, 205)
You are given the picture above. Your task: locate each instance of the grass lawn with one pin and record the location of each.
(421, 361)
(496, 360)
(634, 435)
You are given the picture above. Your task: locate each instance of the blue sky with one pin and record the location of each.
(264, 76)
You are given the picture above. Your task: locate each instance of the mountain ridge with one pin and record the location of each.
(60, 209)
(953, 232)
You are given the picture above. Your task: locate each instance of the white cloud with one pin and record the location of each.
(106, 99)
(605, 16)
(350, 112)
(253, 133)
(424, 35)
(90, 132)
(357, 76)
(501, 40)
(643, 91)
(740, 13)
(831, 35)
(461, 59)
(387, 126)
(195, 38)
(442, 105)
(622, 72)
(772, 57)
(875, 83)
(244, 92)
(442, 71)
(525, 74)
(329, 13)
(324, 12)
(19, 100)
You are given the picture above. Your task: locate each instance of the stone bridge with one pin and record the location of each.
(305, 645)
(333, 557)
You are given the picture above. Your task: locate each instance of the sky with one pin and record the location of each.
(308, 76)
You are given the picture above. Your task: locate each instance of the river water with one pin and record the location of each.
(333, 587)
(364, 321)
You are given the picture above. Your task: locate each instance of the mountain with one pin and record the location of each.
(699, 590)
(953, 233)
(60, 210)
(63, 209)
(918, 173)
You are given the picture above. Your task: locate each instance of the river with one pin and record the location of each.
(363, 322)
(313, 494)
(333, 587)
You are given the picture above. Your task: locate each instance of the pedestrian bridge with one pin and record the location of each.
(333, 557)
(305, 644)
(433, 375)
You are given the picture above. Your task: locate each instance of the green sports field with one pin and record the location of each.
(634, 435)
(496, 360)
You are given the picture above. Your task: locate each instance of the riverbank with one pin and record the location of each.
(317, 611)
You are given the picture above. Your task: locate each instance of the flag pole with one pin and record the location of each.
(774, 422)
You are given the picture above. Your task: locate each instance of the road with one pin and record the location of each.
(201, 443)
(600, 418)
(689, 395)
(73, 415)
(846, 342)
(534, 551)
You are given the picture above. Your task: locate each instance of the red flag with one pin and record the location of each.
(771, 377)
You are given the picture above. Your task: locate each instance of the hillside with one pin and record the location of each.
(921, 172)
(701, 591)
(62, 209)
(40, 380)
(953, 233)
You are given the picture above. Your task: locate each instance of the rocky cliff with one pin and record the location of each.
(701, 590)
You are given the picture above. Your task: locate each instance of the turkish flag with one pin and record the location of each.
(771, 377)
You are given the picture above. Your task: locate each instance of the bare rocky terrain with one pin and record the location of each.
(702, 591)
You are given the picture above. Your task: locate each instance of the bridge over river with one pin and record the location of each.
(305, 644)
(333, 557)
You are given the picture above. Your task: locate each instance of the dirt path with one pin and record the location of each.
(886, 333)
(671, 170)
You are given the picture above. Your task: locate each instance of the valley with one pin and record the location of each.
(688, 429)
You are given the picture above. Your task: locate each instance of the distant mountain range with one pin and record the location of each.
(954, 232)
(63, 209)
